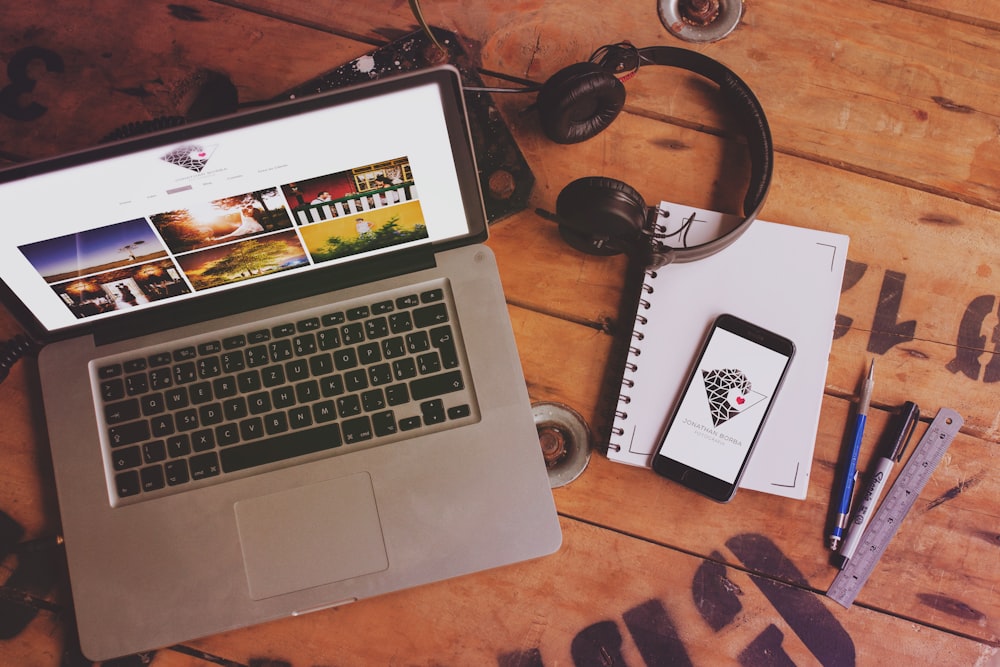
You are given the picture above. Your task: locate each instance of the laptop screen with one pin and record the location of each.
(247, 202)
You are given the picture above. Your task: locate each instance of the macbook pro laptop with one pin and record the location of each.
(279, 373)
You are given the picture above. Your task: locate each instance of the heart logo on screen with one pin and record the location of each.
(740, 400)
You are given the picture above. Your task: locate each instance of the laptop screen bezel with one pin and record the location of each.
(317, 280)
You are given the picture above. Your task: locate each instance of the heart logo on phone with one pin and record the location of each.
(740, 400)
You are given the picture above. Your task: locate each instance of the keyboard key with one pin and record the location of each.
(123, 411)
(409, 423)
(176, 398)
(210, 414)
(358, 313)
(178, 445)
(352, 334)
(333, 319)
(112, 390)
(258, 336)
(282, 397)
(127, 457)
(204, 465)
(176, 472)
(373, 400)
(320, 364)
(418, 341)
(154, 452)
(162, 425)
(279, 448)
(109, 371)
(382, 307)
(227, 434)
(356, 430)
(384, 423)
(136, 384)
(430, 315)
(185, 372)
(235, 408)
(428, 363)
(273, 376)
(297, 369)
(152, 404)
(151, 478)
(127, 484)
(126, 434)
(249, 381)
(259, 403)
(459, 411)
(400, 323)
(224, 387)
(444, 341)
(431, 296)
(311, 324)
(200, 392)
(283, 330)
(159, 359)
(251, 429)
(203, 440)
(257, 356)
(397, 394)
(160, 378)
(209, 347)
(377, 327)
(186, 420)
(344, 359)
(304, 345)
(233, 362)
(233, 342)
(135, 365)
(209, 367)
(276, 422)
(185, 353)
(408, 301)
(436, 385)
(280, 350)
(332, 385)
(432, 411)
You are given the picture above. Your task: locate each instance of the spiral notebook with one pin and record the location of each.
(787, 279)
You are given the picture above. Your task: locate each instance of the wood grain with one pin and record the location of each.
(884, 119)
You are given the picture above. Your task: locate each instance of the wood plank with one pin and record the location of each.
(103, 74)
(926, 125)
(564, 610)
(929, 312)
(945, 533)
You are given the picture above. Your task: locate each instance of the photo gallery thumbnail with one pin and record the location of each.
(232, 239)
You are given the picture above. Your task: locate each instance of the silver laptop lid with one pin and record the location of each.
(235, 213)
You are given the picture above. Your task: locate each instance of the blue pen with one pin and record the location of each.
(850, 472)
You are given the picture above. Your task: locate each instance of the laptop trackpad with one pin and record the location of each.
(310, 536)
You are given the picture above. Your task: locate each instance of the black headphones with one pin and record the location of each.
(605, 216)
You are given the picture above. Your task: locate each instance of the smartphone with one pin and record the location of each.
(714, 427)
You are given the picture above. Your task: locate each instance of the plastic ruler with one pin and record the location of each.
(895, 506)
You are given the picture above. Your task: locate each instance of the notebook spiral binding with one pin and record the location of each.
(631, 365)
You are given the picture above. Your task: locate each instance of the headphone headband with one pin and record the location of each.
(581, 100)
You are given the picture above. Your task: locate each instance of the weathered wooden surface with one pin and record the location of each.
(883, 115)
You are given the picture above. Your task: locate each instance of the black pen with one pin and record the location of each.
(901, 430)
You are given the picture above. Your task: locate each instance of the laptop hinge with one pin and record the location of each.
(259, 295)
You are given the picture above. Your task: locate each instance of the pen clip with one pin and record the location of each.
(908, 417)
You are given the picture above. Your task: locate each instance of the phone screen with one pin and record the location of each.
(723, 407)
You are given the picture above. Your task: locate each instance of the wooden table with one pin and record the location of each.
(884, 117)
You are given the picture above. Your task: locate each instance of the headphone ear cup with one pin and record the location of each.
(579, 101)
(600, 216)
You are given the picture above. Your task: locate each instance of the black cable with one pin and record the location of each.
(14, 349)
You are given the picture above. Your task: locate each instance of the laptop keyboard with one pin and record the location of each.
(340, 378)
